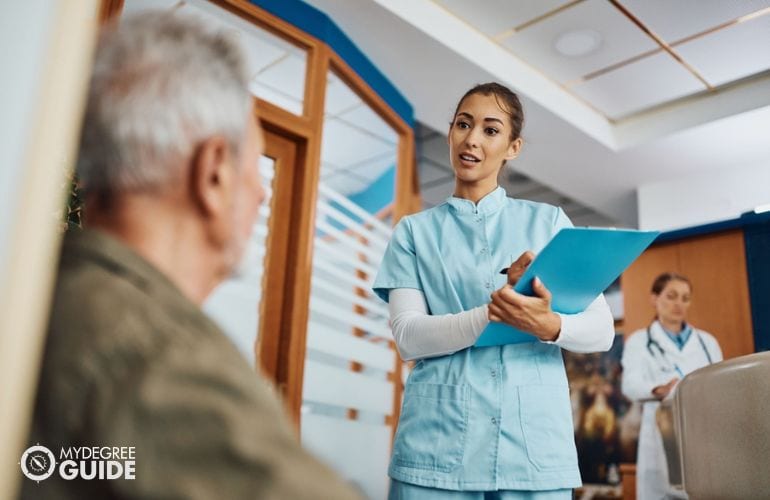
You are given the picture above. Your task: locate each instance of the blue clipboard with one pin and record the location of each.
(576, 266)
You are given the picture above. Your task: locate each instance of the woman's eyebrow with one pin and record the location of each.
(487, 119)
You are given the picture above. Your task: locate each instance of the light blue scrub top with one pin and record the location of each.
(489, 418)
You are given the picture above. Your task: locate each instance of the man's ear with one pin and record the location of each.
(514, 148)
(211, 175)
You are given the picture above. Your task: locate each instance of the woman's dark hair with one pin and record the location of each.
(506, 99)
(662, 280)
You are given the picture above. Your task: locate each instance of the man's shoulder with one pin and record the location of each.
(90, 303)
(100, 316)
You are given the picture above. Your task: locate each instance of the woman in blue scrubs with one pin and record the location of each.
(490, 422)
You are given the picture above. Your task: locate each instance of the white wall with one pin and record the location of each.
(704, 197)
(24, 36)
(45, 60)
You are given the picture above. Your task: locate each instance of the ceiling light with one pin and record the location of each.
(578, 43)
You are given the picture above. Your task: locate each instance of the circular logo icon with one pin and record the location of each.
(38, 463)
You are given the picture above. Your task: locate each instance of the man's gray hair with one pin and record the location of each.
(161, 83)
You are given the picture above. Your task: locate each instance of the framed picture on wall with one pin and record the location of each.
(606, 422)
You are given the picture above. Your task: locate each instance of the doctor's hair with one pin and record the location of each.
(506, 99)
(663, 279)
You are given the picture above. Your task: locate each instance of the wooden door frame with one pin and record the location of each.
(285, 313)
(268, 347)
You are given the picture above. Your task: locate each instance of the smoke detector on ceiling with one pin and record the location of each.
(578, 43)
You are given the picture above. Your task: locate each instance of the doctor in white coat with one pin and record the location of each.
(654, 360)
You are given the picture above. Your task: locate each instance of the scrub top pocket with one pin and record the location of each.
(432, 427)
(546, 422)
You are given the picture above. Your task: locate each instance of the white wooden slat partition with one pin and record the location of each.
(348, 388)
(330, 341)
(369, 445)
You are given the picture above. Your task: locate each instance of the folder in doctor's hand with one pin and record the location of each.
(576, 266)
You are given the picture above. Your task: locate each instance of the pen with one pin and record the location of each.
(504, 270)
(678, 370)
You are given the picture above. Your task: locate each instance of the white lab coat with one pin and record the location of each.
(644, 368)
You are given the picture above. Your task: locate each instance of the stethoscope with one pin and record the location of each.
(664, 357)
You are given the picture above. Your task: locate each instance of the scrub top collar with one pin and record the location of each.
(489, 204)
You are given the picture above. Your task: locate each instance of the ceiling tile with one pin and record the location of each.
(650, 81)
(277, 67)
(339, 97)
(345, 146)
(365, 118)
(732, 53)
(621, 40)
(133, 6)
(373, 168)
(279, 99)
(328, 170)
(346, 184)
(288, 75)
(674, 20)
(494, 16)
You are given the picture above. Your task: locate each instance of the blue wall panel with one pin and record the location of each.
(757, 238)
(316, 23)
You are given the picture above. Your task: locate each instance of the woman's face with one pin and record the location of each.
(673, 301)
(480, 141)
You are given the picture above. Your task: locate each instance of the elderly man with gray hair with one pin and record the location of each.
(168, 160)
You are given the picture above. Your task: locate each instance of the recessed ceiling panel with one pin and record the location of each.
(339, 97)
(364, 118)
(328, 170)
(373, 168)
(134, 6)
(345, 184)
(732, 53)
(260, 54)
(277, 66)
(287, 76)
(673, 20)
(495, 16)
(618, 39)
(345, 146)
(276, 97)
(648, 82)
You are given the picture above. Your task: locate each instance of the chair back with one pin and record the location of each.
(664, 418)
(722, 416)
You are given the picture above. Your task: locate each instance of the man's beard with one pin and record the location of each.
(244, 259)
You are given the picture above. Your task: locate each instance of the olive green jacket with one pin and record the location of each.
(129, 361)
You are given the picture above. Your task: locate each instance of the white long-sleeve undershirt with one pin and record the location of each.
(422, 335)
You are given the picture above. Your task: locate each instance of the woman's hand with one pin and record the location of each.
(530, 314)
(519, 266)
(660, 392)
